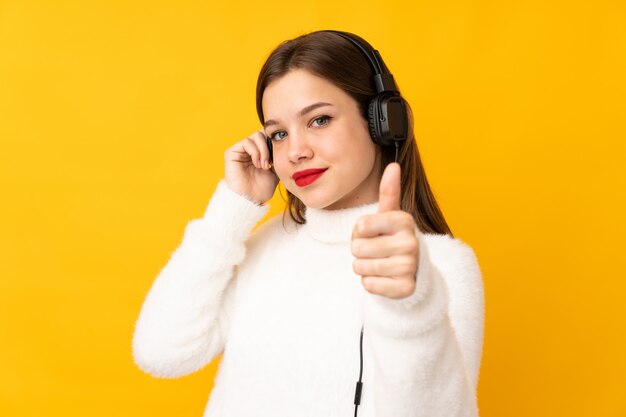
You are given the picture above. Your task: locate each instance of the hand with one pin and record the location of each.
(385, 244)
(247, 168)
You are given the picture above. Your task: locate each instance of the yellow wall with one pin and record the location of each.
(113, 120)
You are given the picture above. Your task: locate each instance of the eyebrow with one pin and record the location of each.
(303, 112)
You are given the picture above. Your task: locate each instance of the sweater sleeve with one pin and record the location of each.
(426, 349)
(184, 320)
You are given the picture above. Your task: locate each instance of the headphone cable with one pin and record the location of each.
(359, 384)
(397, 147)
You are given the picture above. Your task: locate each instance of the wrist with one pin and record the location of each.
(259, 202)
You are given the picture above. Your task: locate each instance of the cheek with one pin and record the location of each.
(362, 154)
(280, 166)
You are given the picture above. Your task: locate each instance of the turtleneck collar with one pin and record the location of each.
(335, 226)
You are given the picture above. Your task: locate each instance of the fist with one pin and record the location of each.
(385, 244)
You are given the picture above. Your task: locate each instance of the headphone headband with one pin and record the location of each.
(382, 77)
(387, 111)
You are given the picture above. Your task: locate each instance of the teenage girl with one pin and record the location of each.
(359, 298)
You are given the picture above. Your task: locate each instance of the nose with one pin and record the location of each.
(298, 147)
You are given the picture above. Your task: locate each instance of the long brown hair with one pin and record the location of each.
(336, 59)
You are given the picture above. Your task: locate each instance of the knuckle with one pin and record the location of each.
(410, 244)
(362, 225)
(407, 267)
(408, 220)
(410, 288)
(369, 284)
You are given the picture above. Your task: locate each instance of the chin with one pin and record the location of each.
(315, 203)
(320, 206)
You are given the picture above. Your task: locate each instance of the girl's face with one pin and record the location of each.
(323, 152)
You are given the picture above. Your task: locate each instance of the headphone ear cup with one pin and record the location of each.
(388, 119)
(372, 120)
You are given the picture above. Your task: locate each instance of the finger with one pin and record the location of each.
(249, 146)
(387, 223)
(384, 246)
(261, 142)
(392, 267)
(389, 191)
(388, 287)
(236, 153)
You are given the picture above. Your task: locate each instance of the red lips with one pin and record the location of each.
(307, 176)
(304, 173)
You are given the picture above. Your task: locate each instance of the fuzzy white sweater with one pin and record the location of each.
(285, 307)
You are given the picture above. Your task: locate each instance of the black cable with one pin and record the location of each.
(397, 147)
(359, 384)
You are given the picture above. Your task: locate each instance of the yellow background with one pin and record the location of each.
(113, 120)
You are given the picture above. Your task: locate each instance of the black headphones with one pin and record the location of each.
(387, 112)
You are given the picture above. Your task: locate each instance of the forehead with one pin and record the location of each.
(297, 89)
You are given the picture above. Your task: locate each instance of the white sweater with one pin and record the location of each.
(285, 308)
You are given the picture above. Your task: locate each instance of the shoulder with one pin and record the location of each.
(276, 228)
(453, 249)
(455, 259)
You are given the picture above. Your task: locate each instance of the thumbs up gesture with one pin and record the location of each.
(385, 244)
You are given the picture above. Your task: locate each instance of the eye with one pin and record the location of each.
(274, 137)
(323, 120)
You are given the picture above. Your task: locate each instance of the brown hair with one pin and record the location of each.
(336, 59)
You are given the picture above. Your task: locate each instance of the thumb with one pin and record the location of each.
(389, 192)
